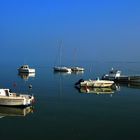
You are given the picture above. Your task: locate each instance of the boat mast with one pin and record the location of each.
(74, 58)
(60, 53)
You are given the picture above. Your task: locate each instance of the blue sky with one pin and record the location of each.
(99, 30)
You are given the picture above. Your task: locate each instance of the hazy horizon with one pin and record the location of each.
(97, 30)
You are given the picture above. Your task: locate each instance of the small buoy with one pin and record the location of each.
(30, 86)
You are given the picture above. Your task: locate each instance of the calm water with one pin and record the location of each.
(62, 112)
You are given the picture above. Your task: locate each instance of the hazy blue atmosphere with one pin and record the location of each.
(95, 35)
(97, 29)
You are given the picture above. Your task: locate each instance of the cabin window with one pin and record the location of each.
(6, 91)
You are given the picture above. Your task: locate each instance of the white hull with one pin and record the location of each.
(12, 99)
(26, 70)
(16, 101)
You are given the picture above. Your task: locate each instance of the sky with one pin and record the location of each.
(93, 30)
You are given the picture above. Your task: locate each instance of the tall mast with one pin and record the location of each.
(60, 51)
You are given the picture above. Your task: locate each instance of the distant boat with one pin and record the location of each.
(112, 75)
(75, 69)
(8, 98)
(116, 76)
(95, 83)
(26, 69)
(61, 68)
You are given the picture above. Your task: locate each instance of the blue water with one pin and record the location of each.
(61, 112)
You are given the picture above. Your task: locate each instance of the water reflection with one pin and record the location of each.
(109, 90)
(78, 72)
(130, 85)
(26, 76)
(62, 73)
(95, 90)
(14, 111)
(69, 73)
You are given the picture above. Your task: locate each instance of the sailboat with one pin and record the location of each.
(77, 68)
(61, 68)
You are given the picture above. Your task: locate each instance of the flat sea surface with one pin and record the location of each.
(62, 112)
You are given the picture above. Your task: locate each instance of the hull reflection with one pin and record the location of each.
(26, 76)
(62, 73)
(131, 85)
(13, 111)
(96, 90)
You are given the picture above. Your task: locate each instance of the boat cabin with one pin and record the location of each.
(6, 92)
(24, 67)
(114, 73)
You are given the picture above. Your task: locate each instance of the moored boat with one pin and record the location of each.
(75, 69)
(116, 76)
(8, 98)
(94, 83)
(112, 75)
(26, 69)
(62, 69)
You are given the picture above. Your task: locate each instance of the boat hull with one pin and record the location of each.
(10, 101)
(26, 70)
(62, 69)
(124, 79)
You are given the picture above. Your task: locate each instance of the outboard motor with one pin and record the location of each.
(78, 83)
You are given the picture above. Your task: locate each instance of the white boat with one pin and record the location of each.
(26, 69)
(62, 69)
(116, 76)
(8, 98)
(95, 83)
(75, 69)
(112, 75)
